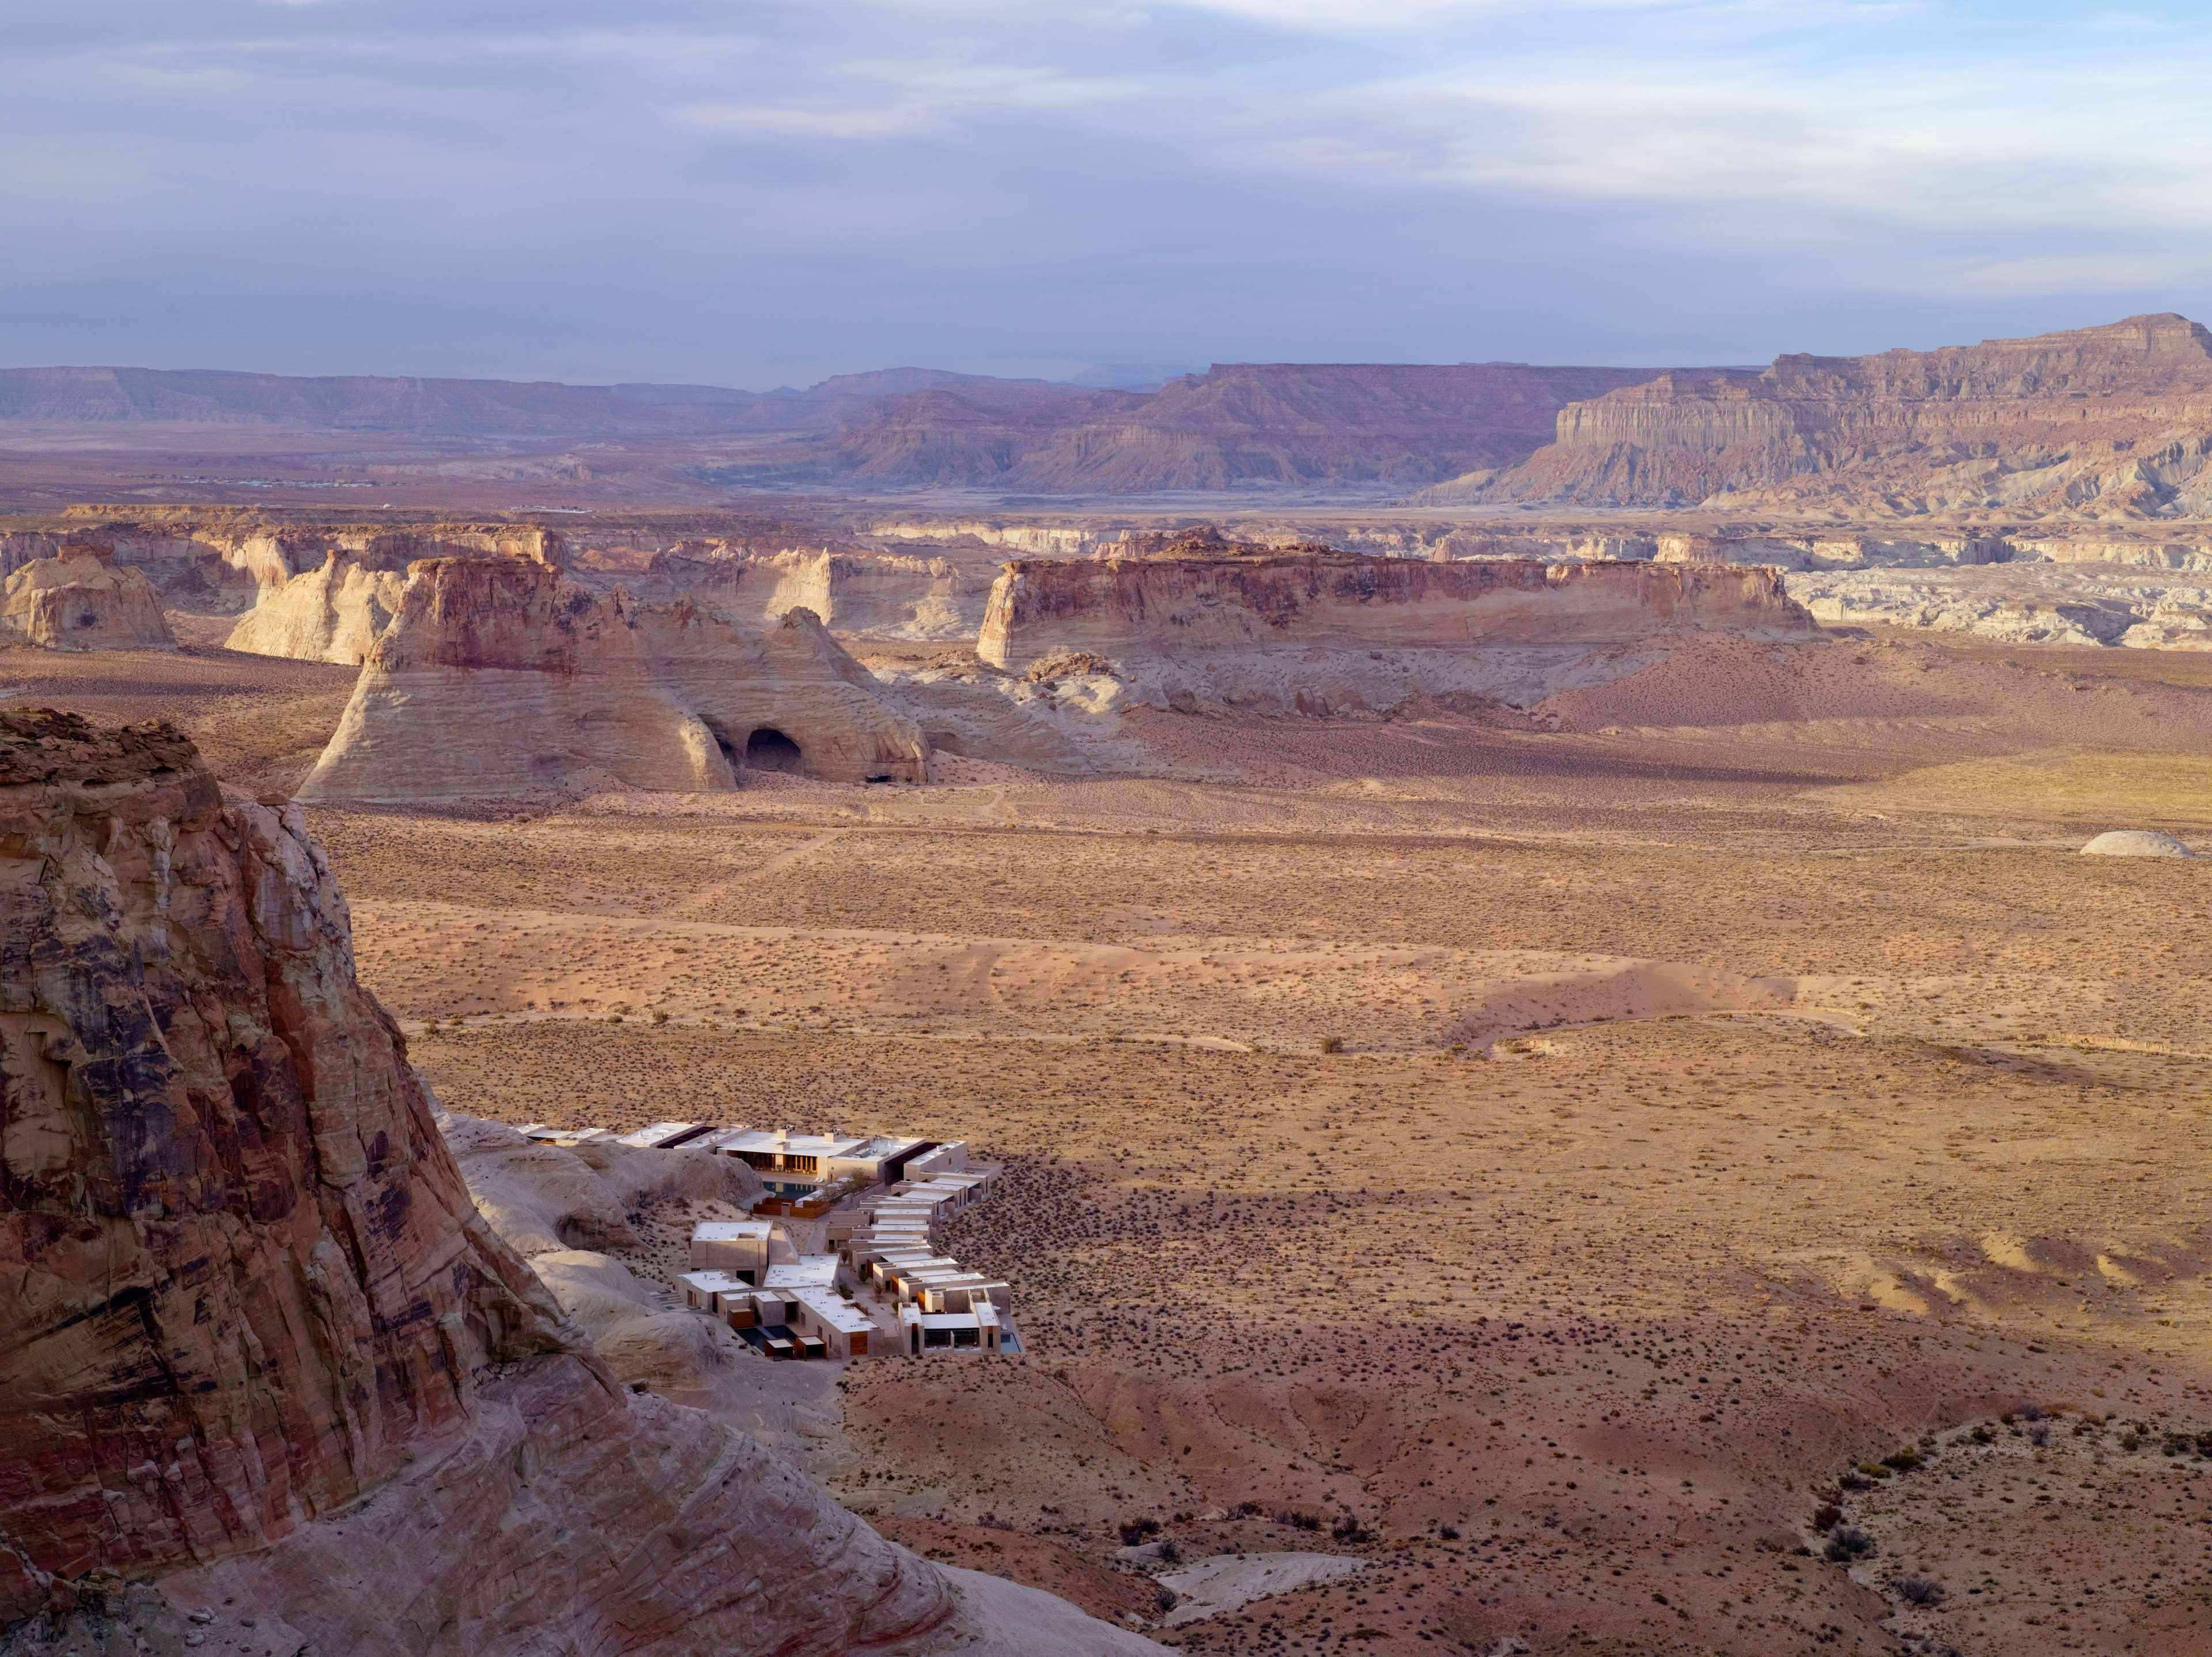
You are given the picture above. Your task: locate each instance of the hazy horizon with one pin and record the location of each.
(757, 195)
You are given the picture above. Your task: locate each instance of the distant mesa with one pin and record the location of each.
(2136, 843)
(501, 677)
(80, 600)
(2110, 422)
(1374, 426)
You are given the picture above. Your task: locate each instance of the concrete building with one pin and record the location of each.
(747, 1249)
(978, 1331)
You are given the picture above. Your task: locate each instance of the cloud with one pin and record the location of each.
(757, 189)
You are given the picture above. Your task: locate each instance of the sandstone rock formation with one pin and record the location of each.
(81, 601)
(2111, 422)
(242, 1275)
(2136, 843)
(879, 595)
(330, 614)
(1315, 630)
(499, 677)
(243, 1287)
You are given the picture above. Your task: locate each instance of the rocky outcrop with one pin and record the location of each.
(330, 614)
(2104, 422)
(1315, 630)
(1120, 607)
(225, 561)
(244, 1290)
(81, 601)
(876, 595)
(500, 677)
(241, 1274)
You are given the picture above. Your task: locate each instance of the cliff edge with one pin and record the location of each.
(244, 1288)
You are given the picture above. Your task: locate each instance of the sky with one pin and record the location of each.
(755, 193)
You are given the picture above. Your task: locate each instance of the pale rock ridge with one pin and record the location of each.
(1318, 632)
(80, 600)
(226, 562)
(243, 1286)
(501, 677)
(2110, 422)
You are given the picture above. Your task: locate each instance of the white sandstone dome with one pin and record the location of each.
(2136, 842)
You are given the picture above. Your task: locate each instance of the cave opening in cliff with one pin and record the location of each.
(770, 750)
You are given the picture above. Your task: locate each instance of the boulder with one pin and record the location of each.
(2136, 842)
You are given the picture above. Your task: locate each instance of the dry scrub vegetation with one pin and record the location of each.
(1719, 1104)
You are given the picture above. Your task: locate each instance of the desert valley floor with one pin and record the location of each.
(1544, 1158)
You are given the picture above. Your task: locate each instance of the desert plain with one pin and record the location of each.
(1557, 1161)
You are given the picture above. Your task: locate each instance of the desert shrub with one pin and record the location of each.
(1982, 1434)
(1135, 1531)
(2131, 1440)
(1331, 1044)
(1876, 1470)
(2031, 1412)
(1919, 1591)
(1827, 1518)
(1449, 1532)
(1299, 1521)
(1349, 1529)
(1856, 1481)
(1847, 1541)
(1904, 1460)
(1245, 1510)
(2039, 1434)
(1167, 1598)
(1168, 1551)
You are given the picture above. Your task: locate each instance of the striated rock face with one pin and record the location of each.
(81, 601)
(499, 677)
(1316, 631)
(243, 1287)
(1118, 607)
(242, 1273)
(2112, 421)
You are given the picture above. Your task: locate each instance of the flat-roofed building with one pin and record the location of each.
(977, 1330)
(842, 1328)
(661, 1136)
(746, 1248)
(703, 1289)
